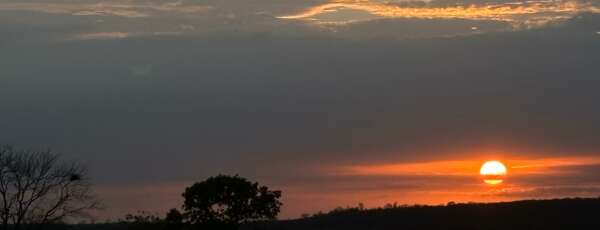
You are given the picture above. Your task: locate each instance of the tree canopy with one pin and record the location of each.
(229, 200)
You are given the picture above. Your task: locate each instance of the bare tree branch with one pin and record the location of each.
(37, 188)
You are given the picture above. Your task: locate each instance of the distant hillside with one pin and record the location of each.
(576, 213)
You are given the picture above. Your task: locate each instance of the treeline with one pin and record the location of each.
(574, 213)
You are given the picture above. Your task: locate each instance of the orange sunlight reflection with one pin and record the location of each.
(528, 13)
(493, 182)
(517, 166)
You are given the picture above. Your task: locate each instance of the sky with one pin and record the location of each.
(333, 102)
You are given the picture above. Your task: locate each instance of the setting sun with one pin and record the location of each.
(493, 172)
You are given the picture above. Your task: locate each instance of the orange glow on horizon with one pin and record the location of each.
(420, 168)
(457, 178)
(517, 166)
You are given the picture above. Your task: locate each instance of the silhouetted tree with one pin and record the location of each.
(228, 201)
(143, 220)
(142, 217)
(174, 219)
(37, 188)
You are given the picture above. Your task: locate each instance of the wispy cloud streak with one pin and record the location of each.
(530, 12)
(103, 35)
(468, 167)
(104, 9)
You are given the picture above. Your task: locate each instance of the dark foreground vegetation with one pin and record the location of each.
(577, 213)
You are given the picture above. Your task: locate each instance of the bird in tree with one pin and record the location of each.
(38, 188)
(229, 201)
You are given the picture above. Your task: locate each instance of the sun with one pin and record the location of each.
(493, 172)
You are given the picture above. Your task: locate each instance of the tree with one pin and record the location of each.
(228, 201)
(142, 220)
(37, 188)
(174, 219)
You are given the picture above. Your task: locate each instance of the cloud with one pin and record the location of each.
(445, 168)
(110, 8)
(138, 70)
(284, 107)
(518, 13)
(103, 35)
(547, 192)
